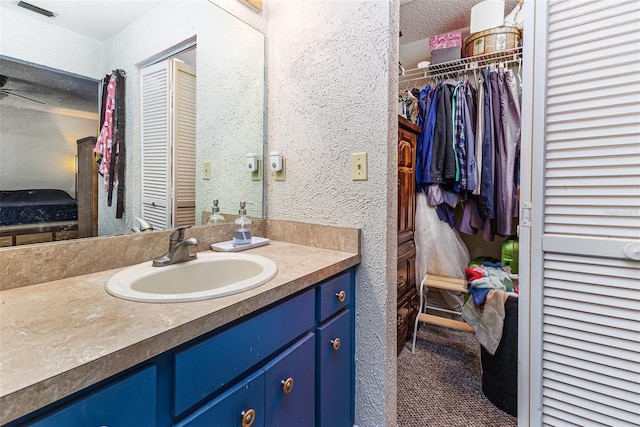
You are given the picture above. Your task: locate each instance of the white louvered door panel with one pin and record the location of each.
(154, 132)
(184, 143)
(590, 211)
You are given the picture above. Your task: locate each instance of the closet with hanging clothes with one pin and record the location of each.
(467, 162)
(466, 180)
(578, 215)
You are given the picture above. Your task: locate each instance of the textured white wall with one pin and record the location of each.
(329, 92)
(230, 90)
(31, 40)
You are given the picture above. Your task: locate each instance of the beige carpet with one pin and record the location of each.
(441, 384)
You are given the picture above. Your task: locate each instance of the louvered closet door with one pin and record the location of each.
(586, 214)
(184, 143)
(155, 132)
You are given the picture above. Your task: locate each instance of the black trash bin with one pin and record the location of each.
(500, 371)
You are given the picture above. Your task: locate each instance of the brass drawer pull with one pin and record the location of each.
(287, 385)
(248, 417)
(336, 343)
(341, 296)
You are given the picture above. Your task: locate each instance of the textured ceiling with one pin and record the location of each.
(421, 19)
(49, 89)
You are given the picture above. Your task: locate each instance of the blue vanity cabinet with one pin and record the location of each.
(288, 365)
(335, 352)
(130, 401)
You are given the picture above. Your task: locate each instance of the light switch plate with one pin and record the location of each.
(206, 170)
(359, 166)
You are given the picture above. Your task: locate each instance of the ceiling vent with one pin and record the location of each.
(36, 9)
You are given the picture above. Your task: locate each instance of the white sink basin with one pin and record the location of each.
(212, 275)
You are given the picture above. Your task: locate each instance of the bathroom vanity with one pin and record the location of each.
(279, 354)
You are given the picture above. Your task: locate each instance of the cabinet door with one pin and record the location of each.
(127, 402)
(334, 373)
(290, 386)
(406, 184)
(241, 406)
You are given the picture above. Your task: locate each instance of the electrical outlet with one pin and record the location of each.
(359, 166)
(206, 170)
(281, 174)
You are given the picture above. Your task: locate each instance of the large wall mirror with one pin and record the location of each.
(51, 70)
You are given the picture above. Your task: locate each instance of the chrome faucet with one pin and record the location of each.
(179, 249)
(144, 225)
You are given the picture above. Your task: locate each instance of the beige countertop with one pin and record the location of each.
(59, 337)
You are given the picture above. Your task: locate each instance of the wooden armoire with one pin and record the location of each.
(87, 188)
(407, 294)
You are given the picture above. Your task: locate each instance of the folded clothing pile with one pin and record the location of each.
(485, 277)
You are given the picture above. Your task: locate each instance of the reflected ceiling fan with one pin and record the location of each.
(4, 93)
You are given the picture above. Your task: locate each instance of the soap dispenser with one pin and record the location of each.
(215, 217)
(242, 227)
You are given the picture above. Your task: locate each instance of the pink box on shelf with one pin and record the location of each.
(444, 41)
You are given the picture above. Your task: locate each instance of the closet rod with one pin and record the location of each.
(462, 65)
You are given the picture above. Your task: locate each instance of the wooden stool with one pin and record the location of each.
(448, 284)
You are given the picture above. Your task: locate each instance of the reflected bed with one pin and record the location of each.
(38, 215)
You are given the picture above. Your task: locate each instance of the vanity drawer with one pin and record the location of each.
(128, 402)
(242, 405)
(205, 367)
(333, 295)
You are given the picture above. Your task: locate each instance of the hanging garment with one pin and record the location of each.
(423, 175)
(460, 139)
(119, 134)
(424, 104)
(508, 132)
(479, 135)
(409, 105)
(443, 159)
(516, 97)
(106, 145)
(470, 95)
(485, 205)
(469, 138)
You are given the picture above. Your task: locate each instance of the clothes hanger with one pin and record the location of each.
(520, 71)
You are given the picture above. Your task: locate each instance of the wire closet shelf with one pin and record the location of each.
(459, 66)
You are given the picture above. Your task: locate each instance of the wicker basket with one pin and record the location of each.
(493, 40)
